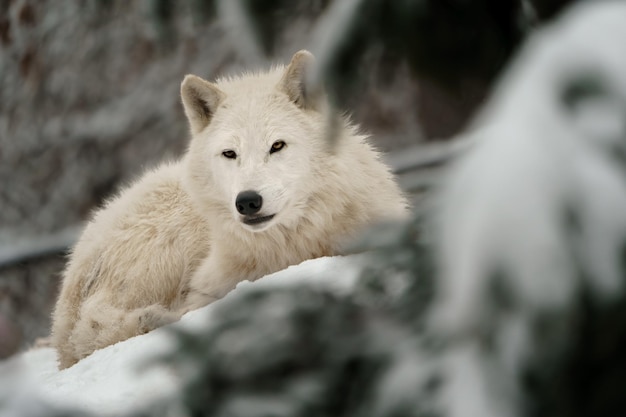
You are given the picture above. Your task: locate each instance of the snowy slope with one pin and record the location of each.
(123, 377)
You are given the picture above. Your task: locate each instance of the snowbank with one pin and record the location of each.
(124, 377)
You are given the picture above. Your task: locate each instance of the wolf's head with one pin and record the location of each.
(255, 141)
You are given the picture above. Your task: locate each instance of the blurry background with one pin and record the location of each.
(89, 98)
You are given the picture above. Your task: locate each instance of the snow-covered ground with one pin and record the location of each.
(125, 376)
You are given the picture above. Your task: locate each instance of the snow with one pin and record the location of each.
(536, 207)
(536, 157)
(124, 377)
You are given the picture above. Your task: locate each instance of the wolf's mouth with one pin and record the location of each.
(257, 220)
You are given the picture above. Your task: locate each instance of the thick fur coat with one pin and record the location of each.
(259, 189)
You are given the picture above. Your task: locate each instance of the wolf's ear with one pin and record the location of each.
(295, 81)
(200, 100)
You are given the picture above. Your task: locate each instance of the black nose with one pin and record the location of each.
(249, 202)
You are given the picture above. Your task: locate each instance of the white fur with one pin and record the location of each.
(174, 240)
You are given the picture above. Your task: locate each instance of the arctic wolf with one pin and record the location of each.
(259, 189)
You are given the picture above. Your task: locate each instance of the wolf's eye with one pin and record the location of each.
(229, 154)
(277, 146)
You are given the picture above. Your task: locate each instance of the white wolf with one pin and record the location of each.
(259, 189)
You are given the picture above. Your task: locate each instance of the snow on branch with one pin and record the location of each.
(27, 249)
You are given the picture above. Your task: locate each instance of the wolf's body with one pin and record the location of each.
(258, 190)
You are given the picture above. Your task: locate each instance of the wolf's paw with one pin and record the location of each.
(154, 317)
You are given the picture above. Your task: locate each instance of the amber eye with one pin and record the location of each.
(229, 154)
(277, 146)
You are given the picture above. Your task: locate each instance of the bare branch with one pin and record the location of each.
(27, 249)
